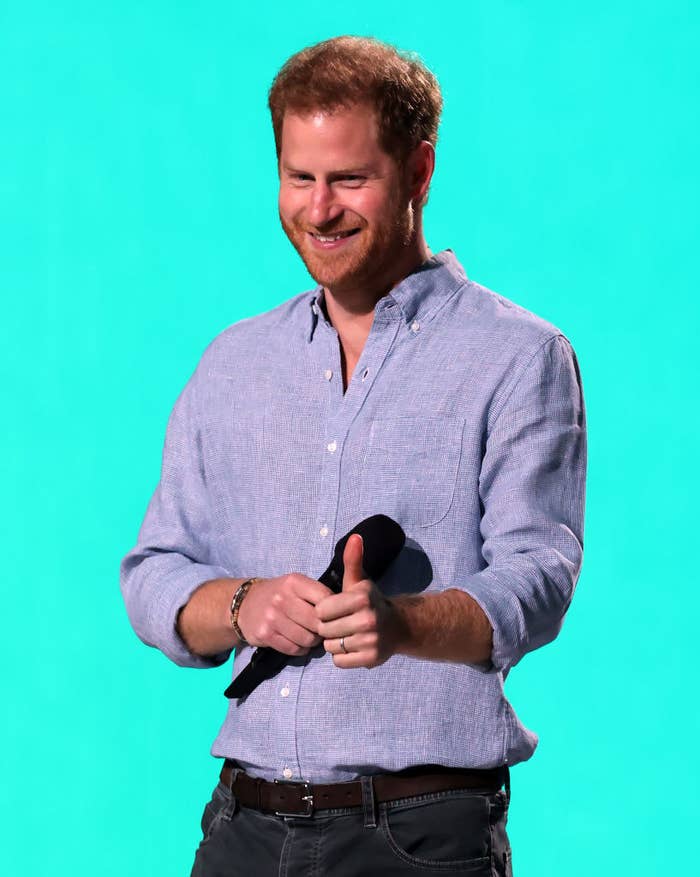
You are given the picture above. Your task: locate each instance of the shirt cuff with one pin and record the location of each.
(169, 593)
(505, 616)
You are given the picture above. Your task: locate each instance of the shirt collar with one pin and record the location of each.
(418, 296)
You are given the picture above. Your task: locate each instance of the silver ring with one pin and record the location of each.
(342, 644)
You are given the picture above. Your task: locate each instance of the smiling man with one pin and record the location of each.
(352, 210)
(396, 386)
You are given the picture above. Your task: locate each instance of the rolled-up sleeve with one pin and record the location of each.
(532, 489)
(171, 558)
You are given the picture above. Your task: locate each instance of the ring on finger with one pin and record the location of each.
(342, 644)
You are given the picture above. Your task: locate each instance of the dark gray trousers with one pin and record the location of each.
(454, 832)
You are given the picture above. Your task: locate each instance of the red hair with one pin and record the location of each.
(345, 71)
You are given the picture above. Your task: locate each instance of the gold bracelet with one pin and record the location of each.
(241, 591)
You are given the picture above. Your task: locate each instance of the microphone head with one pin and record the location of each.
(383, 539)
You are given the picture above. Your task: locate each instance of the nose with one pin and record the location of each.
(322, 206)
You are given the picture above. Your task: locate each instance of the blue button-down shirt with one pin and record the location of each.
(464, 421)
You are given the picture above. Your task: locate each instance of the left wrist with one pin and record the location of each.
(403, 611)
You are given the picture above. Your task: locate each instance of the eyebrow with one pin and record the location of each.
(343, 172)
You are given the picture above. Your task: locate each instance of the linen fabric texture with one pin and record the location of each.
(464, 421)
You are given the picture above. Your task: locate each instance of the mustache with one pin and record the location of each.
(328, 229)
(331, 227)
(299, 224)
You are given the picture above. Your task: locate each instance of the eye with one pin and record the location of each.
(352, 181)
(301, 179)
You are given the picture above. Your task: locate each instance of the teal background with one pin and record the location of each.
(138, 217)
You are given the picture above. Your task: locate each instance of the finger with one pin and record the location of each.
(310, 590)
(304, 614)
(339, 606)
(294, 633)
(354, 642)
(353, 661)
(346, 626)
(335, 629)
(360, 653)
(281, 644)
(334, 646)
(352, 561)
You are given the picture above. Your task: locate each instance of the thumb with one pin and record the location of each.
(352, 560)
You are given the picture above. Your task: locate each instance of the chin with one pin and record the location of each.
(333, 273)
(338, 280)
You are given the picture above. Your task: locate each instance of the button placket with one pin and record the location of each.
(283, 718)
(342, 412)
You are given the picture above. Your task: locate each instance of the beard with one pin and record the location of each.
(368, 256)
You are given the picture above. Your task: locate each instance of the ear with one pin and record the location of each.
(420, 166)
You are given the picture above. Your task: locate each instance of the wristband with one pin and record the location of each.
(241, 591)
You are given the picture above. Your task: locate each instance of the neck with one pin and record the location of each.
(351, 309)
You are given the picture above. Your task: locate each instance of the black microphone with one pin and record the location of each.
(383, 539)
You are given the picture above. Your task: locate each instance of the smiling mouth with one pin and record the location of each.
(331, 238)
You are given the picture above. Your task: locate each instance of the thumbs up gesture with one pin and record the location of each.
(360, 626)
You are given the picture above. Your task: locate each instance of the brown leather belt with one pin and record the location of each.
(290, 798)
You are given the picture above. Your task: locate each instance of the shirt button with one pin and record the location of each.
(323, 531)
(332, 447)
(415, 326)
(328, 374)
(285, 691)
(287, 773)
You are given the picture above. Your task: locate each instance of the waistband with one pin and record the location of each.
(299, 798)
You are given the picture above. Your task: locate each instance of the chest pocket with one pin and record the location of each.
(410, 466)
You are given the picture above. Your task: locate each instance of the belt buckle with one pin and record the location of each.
(307, 798)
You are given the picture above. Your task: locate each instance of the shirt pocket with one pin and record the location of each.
(410, 467)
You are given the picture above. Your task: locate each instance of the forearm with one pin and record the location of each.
(448, 626)
(205, 622)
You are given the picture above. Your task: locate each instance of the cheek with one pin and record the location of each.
(291, 204)
(374, 207)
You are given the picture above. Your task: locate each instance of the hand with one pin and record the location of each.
(361, 614)
(280, 613)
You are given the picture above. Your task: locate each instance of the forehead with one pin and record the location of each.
(327, 138)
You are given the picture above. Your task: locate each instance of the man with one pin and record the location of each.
(400, 387)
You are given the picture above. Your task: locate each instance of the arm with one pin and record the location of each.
(276, 612)
(532, 487)
(449, 626)
(177, 598)
(173, 557)
(532, 491)
(204, 622)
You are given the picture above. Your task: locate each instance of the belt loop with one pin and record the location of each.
(235, 770)
(368, 802)
(231, 807)
(507, 784)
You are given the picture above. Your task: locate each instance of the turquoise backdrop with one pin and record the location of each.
(138, 217)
